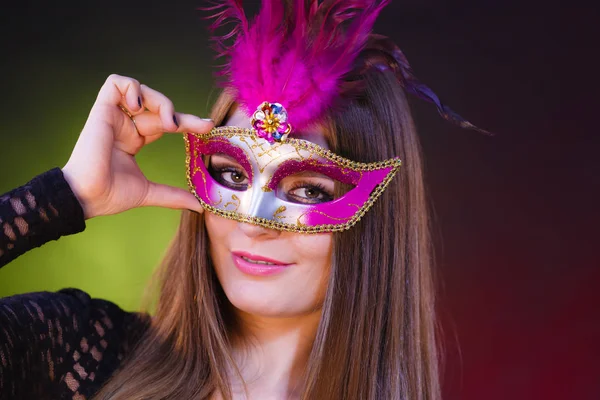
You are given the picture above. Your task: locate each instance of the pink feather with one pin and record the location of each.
(293, 52)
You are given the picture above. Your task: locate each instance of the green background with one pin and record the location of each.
(49, 83)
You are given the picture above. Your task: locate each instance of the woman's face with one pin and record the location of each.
(264, 271)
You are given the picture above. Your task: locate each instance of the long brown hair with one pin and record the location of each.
(376, 338)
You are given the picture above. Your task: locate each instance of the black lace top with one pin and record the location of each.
(60, 345)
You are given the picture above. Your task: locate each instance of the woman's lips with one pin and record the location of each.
(257, 265)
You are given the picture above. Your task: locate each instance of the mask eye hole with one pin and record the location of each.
(309, 187)
(310, 182)
(227, 172)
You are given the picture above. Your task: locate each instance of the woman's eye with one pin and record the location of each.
(234, 177)
(230, 177)
(309, 195)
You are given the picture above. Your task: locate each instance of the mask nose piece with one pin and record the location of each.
(262, 203)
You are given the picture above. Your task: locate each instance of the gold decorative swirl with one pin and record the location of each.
(235, 201)
(279, 211)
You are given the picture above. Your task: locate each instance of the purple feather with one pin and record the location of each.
(293, 52)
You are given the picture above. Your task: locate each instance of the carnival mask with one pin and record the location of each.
(297, 54)
(253, 195)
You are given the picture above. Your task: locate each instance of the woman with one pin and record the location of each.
(309, 277)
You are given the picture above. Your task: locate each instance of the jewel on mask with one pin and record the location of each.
(270, 122)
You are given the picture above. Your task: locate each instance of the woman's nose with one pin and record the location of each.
(256, 231)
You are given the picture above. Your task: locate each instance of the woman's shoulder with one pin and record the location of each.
(67, 341)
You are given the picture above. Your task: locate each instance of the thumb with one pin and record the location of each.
(160, 195)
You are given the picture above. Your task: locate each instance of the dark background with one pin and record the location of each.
(516, 214)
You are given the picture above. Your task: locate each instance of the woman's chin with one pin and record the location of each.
(267, 299)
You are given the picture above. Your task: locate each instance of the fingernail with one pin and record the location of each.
(175, 120)
(207, 119)
(139, 101)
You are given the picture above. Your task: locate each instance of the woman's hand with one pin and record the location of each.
(102, 171)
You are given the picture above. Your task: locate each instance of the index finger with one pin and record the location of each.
(187, 123)
(193, 123)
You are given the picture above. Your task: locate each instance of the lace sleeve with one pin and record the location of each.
(42, 210)
(62, 345)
